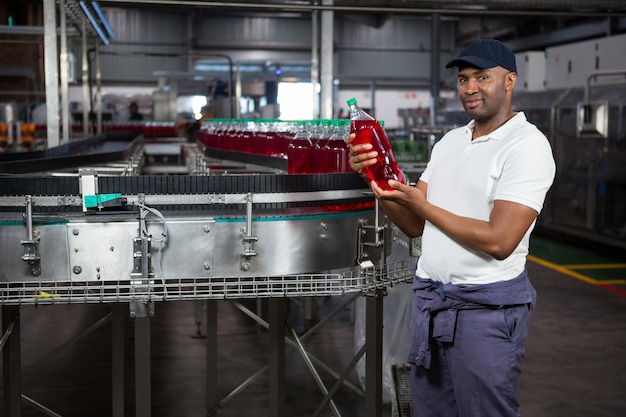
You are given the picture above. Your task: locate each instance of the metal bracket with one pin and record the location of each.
(31, 243)
(141, 308)
(141, 278)
(142, 258)
(248, 239)
(364, 231)
(415, 247)
(67, 200)
(373, 276)
(88, 180)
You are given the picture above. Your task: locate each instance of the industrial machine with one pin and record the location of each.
(586, 127)
(85, 224)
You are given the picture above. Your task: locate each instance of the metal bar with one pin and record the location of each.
(599, 73)
(117, 359)
(259, 198)
(374, 356)
(313, 371)
(39, 407)
(211, 361)
(98, 91)
(243, 385)
(344, 375)
(142, 367)
(315, 61)
(277, 317)
(435, 46)
(85, 79)
(11, 362)
(292, 344)
(79, 336)
(64, 73)
(6, 334)
(326, 79)
(329, 316)
(51, 64)
(156, 199)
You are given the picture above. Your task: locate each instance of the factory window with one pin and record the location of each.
(191, 106)
(295, 101)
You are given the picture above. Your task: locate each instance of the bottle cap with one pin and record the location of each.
(351, 101)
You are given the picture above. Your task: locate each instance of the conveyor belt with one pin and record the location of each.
(194, 193)
(108, 147)
(221, 194)
(228, 184)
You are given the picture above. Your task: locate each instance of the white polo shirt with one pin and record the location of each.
(465, 176)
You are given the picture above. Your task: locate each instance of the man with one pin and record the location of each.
(134, 112)
(475, 206)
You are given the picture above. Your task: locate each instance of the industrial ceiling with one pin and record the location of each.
(523, 24)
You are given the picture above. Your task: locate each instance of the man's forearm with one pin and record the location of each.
(407, 221)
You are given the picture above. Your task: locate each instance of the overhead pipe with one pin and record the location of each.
(522, 7)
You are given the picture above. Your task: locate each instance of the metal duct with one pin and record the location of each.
(448, 7)
(523, 4)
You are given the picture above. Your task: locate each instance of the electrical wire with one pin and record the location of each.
(161, 240)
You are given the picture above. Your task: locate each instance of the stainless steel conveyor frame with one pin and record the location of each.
(91, 280)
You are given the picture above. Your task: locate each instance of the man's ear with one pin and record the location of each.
(509, 81)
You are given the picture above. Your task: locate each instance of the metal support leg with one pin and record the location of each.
(277, 317)
(197, 308)
(142, 367)
(11, 361)
(211, 357)
(314, 372)
(374, 355)
(117, 349)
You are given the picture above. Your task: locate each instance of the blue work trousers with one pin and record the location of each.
(477, 373)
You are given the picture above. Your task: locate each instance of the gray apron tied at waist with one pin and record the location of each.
(436, 319)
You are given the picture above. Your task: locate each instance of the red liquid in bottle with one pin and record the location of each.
(298, 154)
(386, 168)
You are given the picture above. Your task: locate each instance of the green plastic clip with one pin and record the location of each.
(101, 200)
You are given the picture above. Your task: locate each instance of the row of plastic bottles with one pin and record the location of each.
(148, 128)
(310, 146)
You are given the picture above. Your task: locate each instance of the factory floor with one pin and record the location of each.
(575, 363)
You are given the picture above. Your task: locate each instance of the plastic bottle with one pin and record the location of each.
(333, 151)
(369, 130)
(299, 149)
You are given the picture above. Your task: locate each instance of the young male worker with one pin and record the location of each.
(475, 206)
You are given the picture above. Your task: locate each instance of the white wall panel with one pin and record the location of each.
(531, 71)
(570, 65)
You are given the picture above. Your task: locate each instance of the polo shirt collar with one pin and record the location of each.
(500, 133)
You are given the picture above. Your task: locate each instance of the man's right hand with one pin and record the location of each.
(360, 156)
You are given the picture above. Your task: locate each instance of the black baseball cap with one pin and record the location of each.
(485, 53)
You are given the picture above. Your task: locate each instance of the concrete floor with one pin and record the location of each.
(575, 362)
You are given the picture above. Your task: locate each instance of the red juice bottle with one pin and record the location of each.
(299, 149)
(369, 130)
